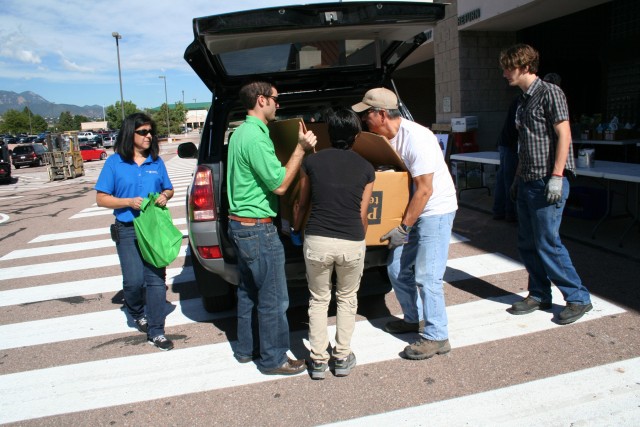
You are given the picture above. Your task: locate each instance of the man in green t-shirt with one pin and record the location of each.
(255, 179)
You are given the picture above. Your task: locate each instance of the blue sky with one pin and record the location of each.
(63, 50)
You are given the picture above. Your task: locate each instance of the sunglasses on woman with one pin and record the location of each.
(144, 132)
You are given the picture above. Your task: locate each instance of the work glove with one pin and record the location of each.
(513, 190)
(296, 238)
(396, 237)
(553, 190)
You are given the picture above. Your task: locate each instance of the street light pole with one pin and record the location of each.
(166, 101)
(29, 113)
(117, 36)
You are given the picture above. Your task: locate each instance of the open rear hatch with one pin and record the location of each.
(318, 47)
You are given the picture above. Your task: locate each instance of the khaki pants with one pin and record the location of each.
(322, 255)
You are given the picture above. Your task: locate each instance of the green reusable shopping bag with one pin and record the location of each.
(158, 239)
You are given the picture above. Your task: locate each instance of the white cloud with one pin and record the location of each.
(72, 66)
(16, 45)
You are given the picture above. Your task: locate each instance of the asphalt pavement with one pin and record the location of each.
(70, 356)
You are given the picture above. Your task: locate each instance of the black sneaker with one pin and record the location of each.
(402, 327)
(344, 366)
(141, 324)
(162, 342)
(573, 312)
(318, 370)
(529, 305)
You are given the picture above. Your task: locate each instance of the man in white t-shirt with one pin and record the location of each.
(420, 244)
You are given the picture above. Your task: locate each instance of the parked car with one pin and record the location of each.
(26, 139)
(108, 141)
(28, 155)
(89, 153)
(5, 164)
(318, 56)
(95, 142)
(87, 134)
(9, 139)
(90, 138)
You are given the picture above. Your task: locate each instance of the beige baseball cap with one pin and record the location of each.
(377, 98)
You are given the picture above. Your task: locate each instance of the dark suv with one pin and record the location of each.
(5, 165)
(318, 56)
(28, 155)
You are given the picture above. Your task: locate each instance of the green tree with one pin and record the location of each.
(14, 122)
(177, 116)
(113, 113)
(39, 124)
(65, 121)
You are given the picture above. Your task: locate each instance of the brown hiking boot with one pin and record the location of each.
(424, 349)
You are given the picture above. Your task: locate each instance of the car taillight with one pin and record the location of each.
(202, 205)
(209, 252)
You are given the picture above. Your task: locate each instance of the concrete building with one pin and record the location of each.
(197, 113)
(592, 44)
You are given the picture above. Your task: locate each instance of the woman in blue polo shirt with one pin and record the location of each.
(134, 171)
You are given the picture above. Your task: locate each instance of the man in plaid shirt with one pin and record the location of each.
(541, 187)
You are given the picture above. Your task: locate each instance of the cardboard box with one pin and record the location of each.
(390, 190)
(464, 124)
(388, 202)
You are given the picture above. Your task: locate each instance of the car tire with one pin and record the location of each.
(16, 166)
(103, 156)
(225, 298)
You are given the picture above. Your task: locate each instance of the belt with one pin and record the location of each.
(250, 220)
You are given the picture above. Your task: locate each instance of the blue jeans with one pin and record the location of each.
(502, 203)
(143, 284)
(419, 266)
(542, 252)
(263, 298)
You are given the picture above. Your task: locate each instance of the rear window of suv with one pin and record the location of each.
(23, 150)
(300, 56)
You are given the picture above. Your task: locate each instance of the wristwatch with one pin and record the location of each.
(405, 228)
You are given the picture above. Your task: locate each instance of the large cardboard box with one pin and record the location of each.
(390, 190)
(387, 205)
(284, 134)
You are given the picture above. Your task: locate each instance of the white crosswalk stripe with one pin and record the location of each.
(614, 404)
(611, 389)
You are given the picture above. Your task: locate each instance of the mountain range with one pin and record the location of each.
(39, 105)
